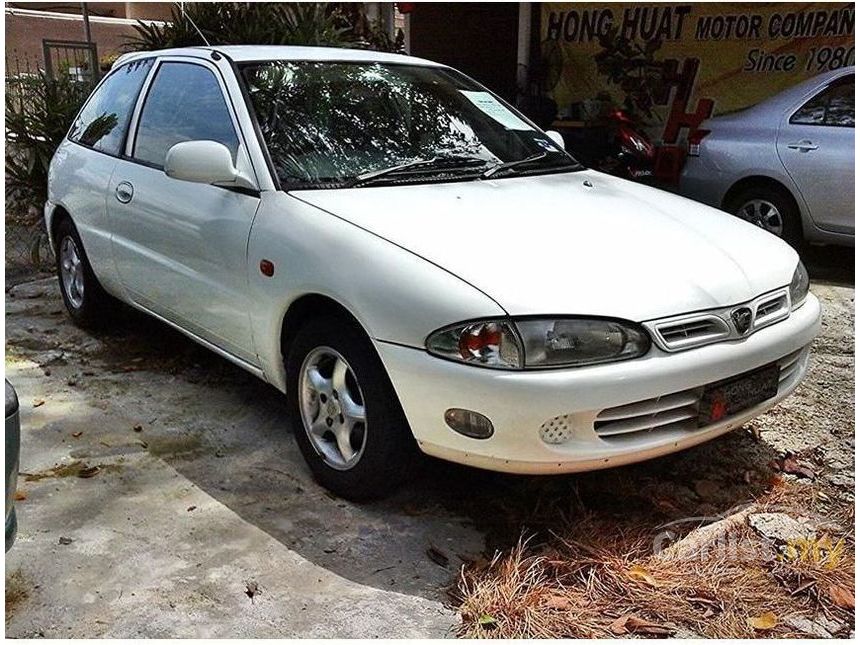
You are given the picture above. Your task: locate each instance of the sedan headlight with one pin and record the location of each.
(539, 343)
(799, 286)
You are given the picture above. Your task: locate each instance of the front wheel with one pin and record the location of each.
(345, 414)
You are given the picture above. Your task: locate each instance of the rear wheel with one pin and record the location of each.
(345, 414)
(88, 304)
(771, 209)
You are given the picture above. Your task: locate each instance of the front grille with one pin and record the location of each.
(771, 310)
(678, 411)
(674, 412)
(792, 364)
(687, 331)
(693, 332)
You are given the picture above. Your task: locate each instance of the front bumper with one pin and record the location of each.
(527, 408)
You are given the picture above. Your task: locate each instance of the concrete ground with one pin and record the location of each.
(200, 518)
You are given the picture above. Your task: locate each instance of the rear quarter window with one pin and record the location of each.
(833, 106)
(103, 122)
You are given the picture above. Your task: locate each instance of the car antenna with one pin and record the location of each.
(181, 6)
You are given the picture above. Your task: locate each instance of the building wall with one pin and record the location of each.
(135, 10)
(148, 10)
(24, 35)
(111, 25)
(479, 39)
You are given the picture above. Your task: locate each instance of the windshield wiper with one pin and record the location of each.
(513, 164)
(452, 162)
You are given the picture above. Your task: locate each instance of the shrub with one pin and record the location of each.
(39, 112)
(246, 23)
(333, 24)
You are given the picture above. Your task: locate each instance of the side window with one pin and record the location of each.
(184, 103)
(832, 106)
(103, 122)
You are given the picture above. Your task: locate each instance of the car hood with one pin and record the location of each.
(573, 243)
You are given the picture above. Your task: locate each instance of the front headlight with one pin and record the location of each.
(799, 286)
(580, 341)
(540, 343)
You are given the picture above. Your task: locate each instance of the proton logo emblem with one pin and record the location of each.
(742, 318)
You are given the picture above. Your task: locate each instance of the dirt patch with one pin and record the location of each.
(599, 579)
(73, 469)
(17, 591)
(174, 446)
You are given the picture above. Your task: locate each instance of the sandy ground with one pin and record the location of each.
(201, 497)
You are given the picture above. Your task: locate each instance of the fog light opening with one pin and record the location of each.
(469, 423)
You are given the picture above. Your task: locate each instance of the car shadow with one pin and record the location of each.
(829, 264)
(415, 540)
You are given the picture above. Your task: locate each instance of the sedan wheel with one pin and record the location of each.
(763, 214)
(332, 408)
(770, 208)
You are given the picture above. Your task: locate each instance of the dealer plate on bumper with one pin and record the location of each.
(723, 399)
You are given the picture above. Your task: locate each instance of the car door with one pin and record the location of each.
(83, 164)
(816, 145)
(179, 246)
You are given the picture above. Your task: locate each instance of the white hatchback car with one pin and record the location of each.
(415, 264)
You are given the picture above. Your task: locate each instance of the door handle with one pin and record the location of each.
(124, 192)
(804, 146)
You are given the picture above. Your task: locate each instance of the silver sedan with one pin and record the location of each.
(786, 165)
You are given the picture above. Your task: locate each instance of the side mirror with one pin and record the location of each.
(204, 162)
(556, 138)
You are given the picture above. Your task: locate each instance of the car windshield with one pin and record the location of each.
(336, 124)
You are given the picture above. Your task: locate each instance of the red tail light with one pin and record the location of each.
(693, 141)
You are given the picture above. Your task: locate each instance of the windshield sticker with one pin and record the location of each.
(489, 105)
(546, 145)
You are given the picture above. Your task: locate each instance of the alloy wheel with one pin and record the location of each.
(72, 272)
(332, 408)
(763, 214)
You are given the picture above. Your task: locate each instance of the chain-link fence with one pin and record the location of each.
(28, 253)
(23, 226)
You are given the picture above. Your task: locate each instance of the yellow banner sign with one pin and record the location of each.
(675, 64)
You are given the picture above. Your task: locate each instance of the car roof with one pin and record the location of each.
(775, 106)
(247, 53)
(798, 93)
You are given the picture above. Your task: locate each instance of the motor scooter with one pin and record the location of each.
(629, 151)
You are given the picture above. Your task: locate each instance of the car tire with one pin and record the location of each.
(763, 205)
(88, 304)
(359, 461)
